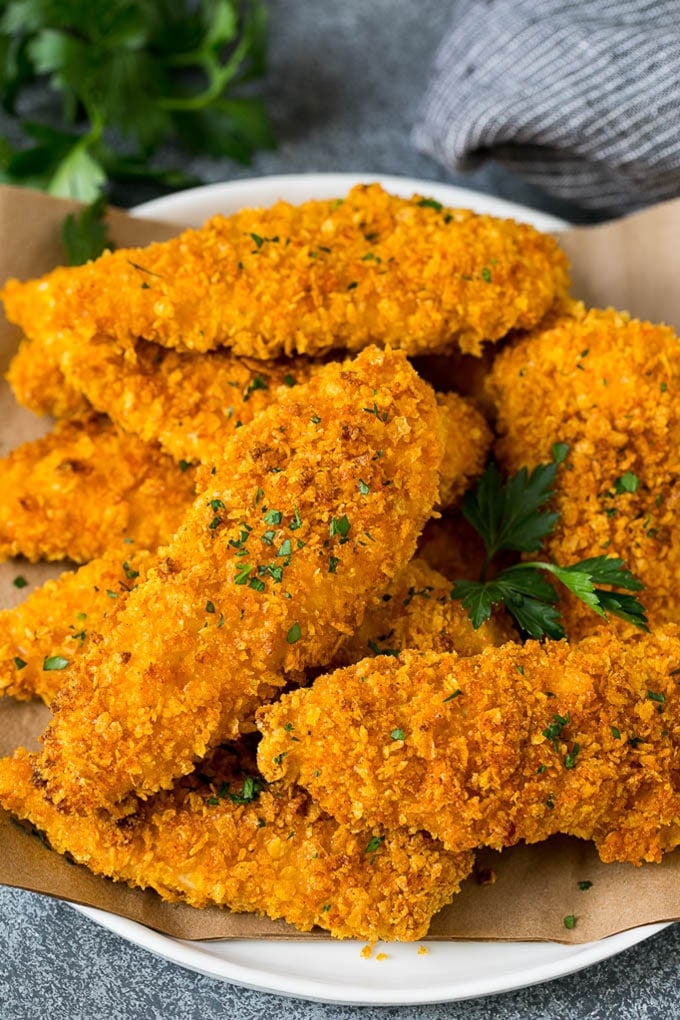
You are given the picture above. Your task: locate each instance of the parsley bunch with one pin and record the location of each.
(510, 516)
(146, 71)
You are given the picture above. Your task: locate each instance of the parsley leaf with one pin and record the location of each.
(84, 235)
(150, 73)
(510, 516)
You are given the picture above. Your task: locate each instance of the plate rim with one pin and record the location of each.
(171, 208)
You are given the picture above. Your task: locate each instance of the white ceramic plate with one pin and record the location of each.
(336, 971)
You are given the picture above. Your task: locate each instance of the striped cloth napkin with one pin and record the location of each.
(579, 97)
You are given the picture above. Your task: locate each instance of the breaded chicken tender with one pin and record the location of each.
(38, 383)
(220, 838)
(316, 505)
(467, 439)
(186, 402)
(372, 268)
(189, 402)
(608, 386)
(517, 743)
(85, 487)
(41, 637)
(416, 611)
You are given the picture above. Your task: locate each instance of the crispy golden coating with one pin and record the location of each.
(83, 488)
(317, 503)
(277, 854)
(514, 744)
(189, 402)
(416, 611)
(38, 382)
(467, 439)
(608, 386)
(186, 402)
(59, 619)
(373, 268)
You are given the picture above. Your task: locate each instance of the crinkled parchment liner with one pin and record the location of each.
(632, 263)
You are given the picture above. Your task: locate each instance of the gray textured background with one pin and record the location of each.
(344, 83)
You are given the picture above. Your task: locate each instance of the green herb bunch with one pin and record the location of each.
(510, 516)
(137, 72)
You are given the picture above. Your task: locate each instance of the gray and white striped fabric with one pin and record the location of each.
(579, 97)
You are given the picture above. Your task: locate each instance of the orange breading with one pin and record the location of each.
(467, 439)
(83, 488)
(341, 471)
(416, 611)
(372, 268)
(60, 618)
(277, 854)
(517, 743)
(38, 382)
(187, 402)
(608, 386)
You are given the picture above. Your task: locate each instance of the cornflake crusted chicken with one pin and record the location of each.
(372, 268)
(318, 502)
(222, 837)
(85, 487)
(517, 743)
(189, 402)
(606, 385)
(40, 638)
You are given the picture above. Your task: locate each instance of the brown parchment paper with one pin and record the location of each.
(632, 263)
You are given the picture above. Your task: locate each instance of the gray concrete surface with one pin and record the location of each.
(344, 84)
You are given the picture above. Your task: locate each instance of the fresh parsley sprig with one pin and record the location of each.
(147, 73)
(509, 516)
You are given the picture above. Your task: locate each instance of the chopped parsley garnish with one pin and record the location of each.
(585, 884)
(242, 574)
(20, 663)
(570, 921)
(296, 522)
(339, 526)
(315, 419)
(54, 662)
(554, 730)
(19, 581)
(380, 415)
(510, 516)
(450, 697)
(112, 594)
(256, 584)
(209, 607)
(273, 517)
(216, 504)
(628, 482)
(397, 734)
(570, 759)
(258, 382)
(616, 733)
(656, 696)
(286, 548)
(363, 488)
(250, 791)
(289, 380)
(550, 802)
(374, 844)
(184, 465)
(294, 634)
(486, 274)
(215, 523)
(430, 203)
(377, 650)
(129, 572)
(333, 564)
